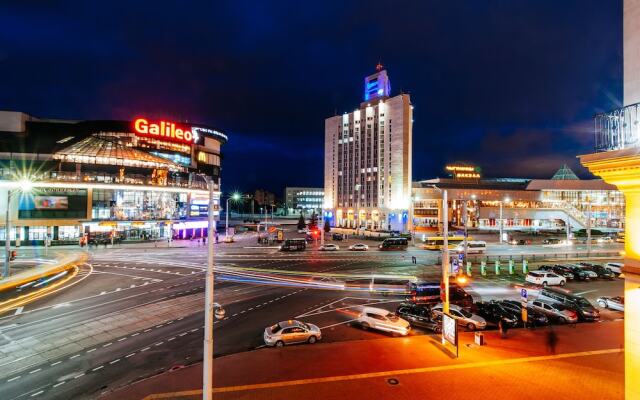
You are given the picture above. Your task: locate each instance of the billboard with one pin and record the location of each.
(449, 329)
(51, 202)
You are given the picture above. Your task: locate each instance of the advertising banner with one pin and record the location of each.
(51, 202)
(449, 329)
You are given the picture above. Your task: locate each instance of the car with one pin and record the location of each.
(612, 303)
(329, 247)
(600, 271)
(545, 278)
(534, 318)
(614, 267)
(228, 239)
(585, 310)
(605, 239)
(303, 230)
(559, 270)
(359, 247)
(494, 312)
(579, 274)
(463, 317)
(290, 332)
(382, 320)
(337, 237)
(590, 274)
(555, 311)
(419, 316)
(551, 241)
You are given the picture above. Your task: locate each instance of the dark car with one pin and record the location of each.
(585, 310)
(551, 241)
(578, 273)
(493, 312)
(337, 236)
(430, 293)
(534, 318)
(419, 316)
(602, 272)
(559, 270)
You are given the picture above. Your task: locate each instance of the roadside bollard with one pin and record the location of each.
(511, 271)
(468, 268)
(497, 267)
(525, 267)
(483, 268)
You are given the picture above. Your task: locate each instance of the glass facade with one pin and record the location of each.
(127, 205)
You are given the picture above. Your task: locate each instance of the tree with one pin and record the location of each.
(301, 223)
(327, 228)
(313, 222)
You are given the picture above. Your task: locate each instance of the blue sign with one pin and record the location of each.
(523, 293)
(461, 256)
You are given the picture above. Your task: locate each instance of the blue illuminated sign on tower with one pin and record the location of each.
(377, 85)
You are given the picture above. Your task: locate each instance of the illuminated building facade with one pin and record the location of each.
(527, 204)
(140, 179)
(367, 167)
(303, 200)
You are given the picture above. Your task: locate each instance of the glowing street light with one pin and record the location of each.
(507, 200)
(234, 197)
(24, 185)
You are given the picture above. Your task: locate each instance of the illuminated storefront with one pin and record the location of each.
(136, 180)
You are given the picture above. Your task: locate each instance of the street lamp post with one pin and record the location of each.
(588, 228)
(24, 186)
(207, 379)
(501, 219)
(235, 197)
(445, 249)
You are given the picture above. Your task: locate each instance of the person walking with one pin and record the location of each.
(552, 340)
(502, 326)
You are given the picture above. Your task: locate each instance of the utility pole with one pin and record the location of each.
(501, 221)
(445, 251)
(588, 228)
(207, 367)
(7, 237)
(465, 217)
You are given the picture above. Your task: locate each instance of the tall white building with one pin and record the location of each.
(367, 165)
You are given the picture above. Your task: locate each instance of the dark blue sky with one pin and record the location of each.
(509, 85)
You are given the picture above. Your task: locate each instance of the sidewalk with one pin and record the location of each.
(589, 364)
(26, 269)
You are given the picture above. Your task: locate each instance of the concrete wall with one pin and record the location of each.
(631, 37)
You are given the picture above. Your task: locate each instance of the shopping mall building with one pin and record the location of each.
(526, 204)
(133, 180)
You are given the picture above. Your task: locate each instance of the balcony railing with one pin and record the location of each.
(618, 129)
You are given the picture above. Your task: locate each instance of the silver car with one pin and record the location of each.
(463, 317)
(612, 303)
(290, 332)
(555, 311)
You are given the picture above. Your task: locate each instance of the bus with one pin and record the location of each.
(437, 242)
(299, 244)
(473, 246)
(396, 243)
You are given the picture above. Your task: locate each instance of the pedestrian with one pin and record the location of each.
(552, 340)
(502, 326)
(204, 241)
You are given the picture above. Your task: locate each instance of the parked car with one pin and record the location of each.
(551, 241)
(555, 311)
(419, 316)
(545, 278)
(329, 247)
(290, 332)
(359, 247)
(589, 272)
(605, 239)
(494, 312)
(586, 311)
(614, 267)
(465, 318)
(558, 270)
(578, 273)
(382, 320)
(601, 271)
(612, 303)
(534, 317)
(337, 237)
(430, 293)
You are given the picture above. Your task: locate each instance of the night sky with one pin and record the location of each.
(509, 85)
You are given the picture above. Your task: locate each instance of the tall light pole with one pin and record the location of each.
(445, 249)
(235, 197)
(588, 227)
(24, 186)
(501, 219)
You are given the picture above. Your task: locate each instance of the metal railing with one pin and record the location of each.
(618, 129)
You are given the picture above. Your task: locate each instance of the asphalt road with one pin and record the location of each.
(134, 311)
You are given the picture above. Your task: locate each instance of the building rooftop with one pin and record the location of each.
(565, 173)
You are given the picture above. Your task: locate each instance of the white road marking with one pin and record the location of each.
(107, 345)
(98, 368)
(35, 370)
(56, 363)
(159, 343)
(37, 393)
(19, 310)
(145, 349)
(146, 330)
(13, 379)
(130, 355)
(135, 334)
(78, 376)
(75, 356)
(59, 383)
(585, 292)
(171, 338)
(121, 339)
(339, 323)
(114, 361)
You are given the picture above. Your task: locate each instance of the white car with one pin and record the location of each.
(614, 267)
(329, 247)
(463, 317)
(383, 320)
(359, 247)
(605, 239)
(612, 303)
(545, 278)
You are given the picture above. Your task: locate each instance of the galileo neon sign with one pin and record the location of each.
(163, 130)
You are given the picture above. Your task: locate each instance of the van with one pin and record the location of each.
(586, 311)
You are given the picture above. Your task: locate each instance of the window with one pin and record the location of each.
(287, 330)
